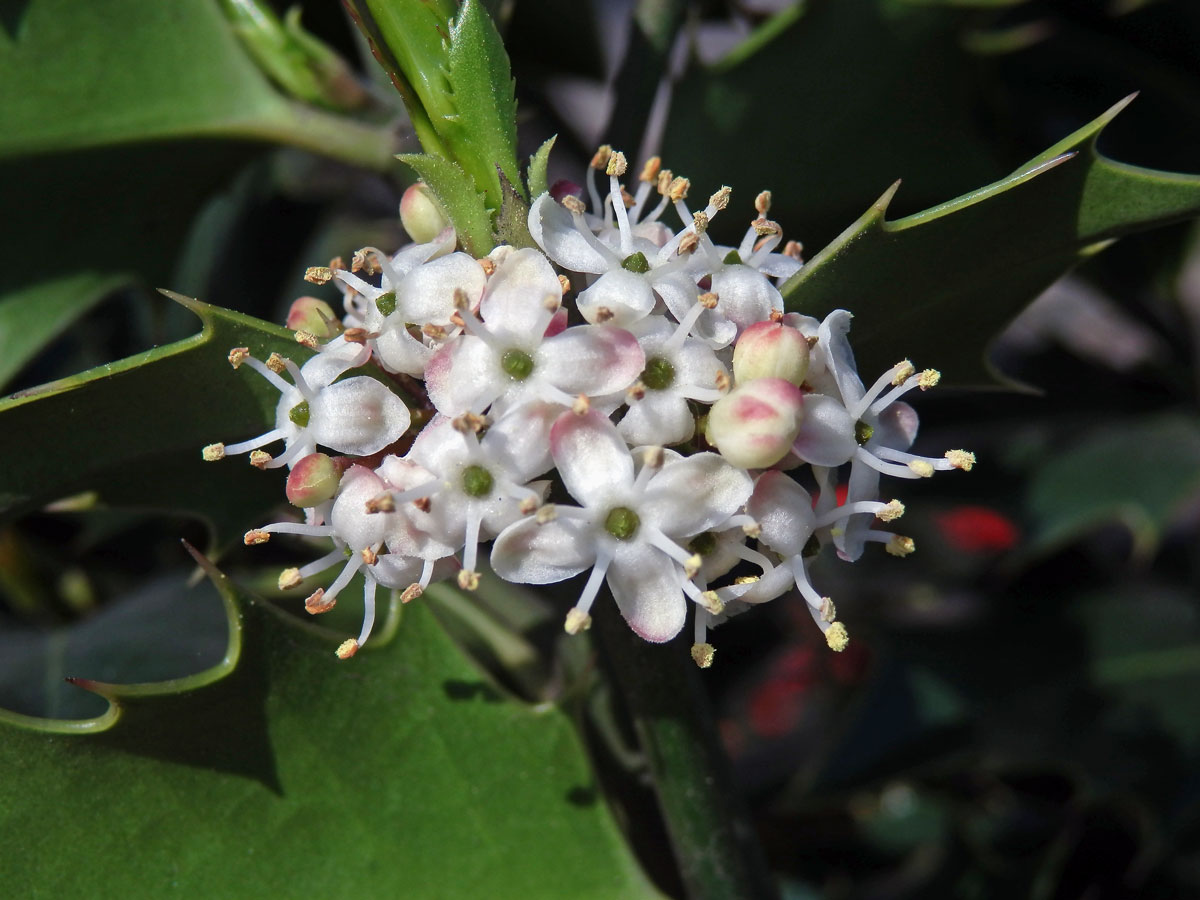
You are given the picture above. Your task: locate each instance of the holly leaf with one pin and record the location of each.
(463, 203)
(412, 774)
(132, 431)
(968, 266)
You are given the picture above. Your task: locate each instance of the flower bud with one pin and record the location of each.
(771, 350)
(314, 316)
(421, 214)
(754, 425)
(313, 480)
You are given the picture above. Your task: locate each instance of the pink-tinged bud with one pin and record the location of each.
(754, 425)
(313, 480)
(771, 350)
(421, 214)
(314, 316)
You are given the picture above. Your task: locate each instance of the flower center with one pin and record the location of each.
(386, 303)
(863, 432)
(636, 263)
(622, 523)
(517, 363)
(703, 543)
(658, 374)
(476, 481)
(732, 258)
(299, 414)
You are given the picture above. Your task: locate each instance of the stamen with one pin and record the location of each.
(368, 610)
(878, 387)
(316, 603)
(238, 355)
(346, 649)
(899, 545)
(307, 339)
(318, 274)
(762, 203)
(650, 170)
(289, 578)
(412, 592)
(256, 537)
(260, 459)
(961, 459)
(702, 654)
(213, 452)
(837, 637)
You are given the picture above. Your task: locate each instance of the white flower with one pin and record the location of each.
(508, 359)
(357, 416)
(628, 526)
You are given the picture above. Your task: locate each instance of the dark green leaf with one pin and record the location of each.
(969, 265)
(458, 195)
(401, 772)
(33, 315)
(132, 431)
(1141, 474)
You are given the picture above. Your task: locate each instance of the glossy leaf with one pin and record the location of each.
(968, 266)
(458, 193)
(283, 765)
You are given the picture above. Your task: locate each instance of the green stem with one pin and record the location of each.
(369, 146)
(713, 839)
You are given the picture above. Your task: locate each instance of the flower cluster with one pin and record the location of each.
(655, 426)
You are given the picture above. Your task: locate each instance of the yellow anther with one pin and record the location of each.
(720, 199)
(260, 458)
(712, 602)
(369, 556)
(762, 204)
(616, 164)
(678, 189)
(307, 339)
(581, 405)
(747, 579)
(708, 300)
(894, 509)
(573, 204)
(548, 512)
(346, 649)
(238, 355)
(316, 602)
(318, 274)
(665, 177)
(411, 593)
(837, 637)
(961, 459)
(468, 580)
(437, 332)
(688, 243)
(752, 530)
(652, 457)
(256, 537)
(601, 157)
(528, 505)
(904, 371)
(702, 655)
(763, 227)
(650, 170)
(899, 545)
(276, 363)
(289, 578)
(721, 381)
(488, 266)
(921, 468)
(692, 565)
(928, 379)
(577, 621)
(213, 452)
(564, 283)
(700, 222)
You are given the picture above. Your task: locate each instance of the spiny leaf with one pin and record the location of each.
(412, 774)
(132, 430)
(458, 195)
(512, 222)
(969, 265)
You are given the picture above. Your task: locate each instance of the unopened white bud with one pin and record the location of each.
(421, 214)
(754, 425)
(771, 350)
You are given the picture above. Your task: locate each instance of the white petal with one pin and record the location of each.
(697, 365)
(863, 485)
(514, 306)
(659, 418)
(626, 296)
(427, 293)
(349, 516)
(895, 427)
(399, 351)
(358, 416)
(648, 588)
(839, 358)
(519, 441)
(554, 230)
(744, 295)
(590, 360)
(439, 448)
(336, 357)
(395, 571)
(783, 510)
(694, 494)
(826, 436)
(529, 553)
(777, 265)
(594, 462)
(464, 375)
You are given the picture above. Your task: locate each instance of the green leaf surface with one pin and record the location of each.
(968, 266)
(33, 315)
(1141, 474)
(457, 192)
(283, 771)
(132, 430)
(538, 164)
(182, 73)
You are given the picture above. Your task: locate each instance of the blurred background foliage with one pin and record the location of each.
(1018, 712)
